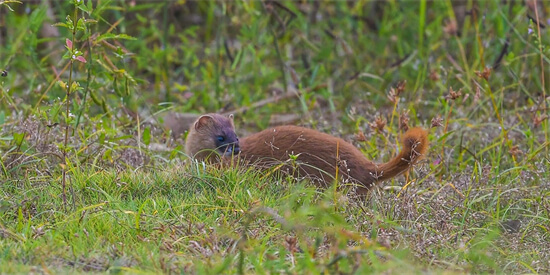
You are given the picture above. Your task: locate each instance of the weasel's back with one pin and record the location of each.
(318, 153)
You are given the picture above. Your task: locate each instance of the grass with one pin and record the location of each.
(91, 180)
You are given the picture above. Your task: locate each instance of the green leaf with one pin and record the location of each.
(59, 24)
(90, 7)
(18, 138)
(123, 137)
(101, 138)
(19, 219)
(108, 155)
(87, 8)
(70, 23)
(37, 18)
(81, 24)
(114, 36)
(237, 59)
(147, 136)
(445, 136)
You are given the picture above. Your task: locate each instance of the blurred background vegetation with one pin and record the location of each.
(340, 59)
(97, 83)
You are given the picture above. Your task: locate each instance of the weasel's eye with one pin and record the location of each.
(220, 138)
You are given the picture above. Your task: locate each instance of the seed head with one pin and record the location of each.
(360, 136)
(394, 92)
(434, 75)
(515, 151)
(485, 73)
(453, 95)
(378, 124)
(451, 28)
(537, 120)
(477, 96)
(404, 120)
(437, 121)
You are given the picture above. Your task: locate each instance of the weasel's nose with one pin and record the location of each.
(232, 149)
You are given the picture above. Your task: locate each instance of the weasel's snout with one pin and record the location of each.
(232, 149)
(236, 149)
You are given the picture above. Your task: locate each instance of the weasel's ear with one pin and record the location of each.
(203, 121)
(231, 117)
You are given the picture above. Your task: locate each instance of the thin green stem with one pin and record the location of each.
(88, 80)
(67, 112)
(541, 67)
(421, 27)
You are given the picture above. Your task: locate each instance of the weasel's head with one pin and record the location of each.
(212, 134)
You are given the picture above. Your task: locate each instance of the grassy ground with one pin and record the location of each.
(91, 181)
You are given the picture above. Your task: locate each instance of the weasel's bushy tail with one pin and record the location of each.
(415, 145)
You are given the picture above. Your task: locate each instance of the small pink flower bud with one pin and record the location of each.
(81, 59)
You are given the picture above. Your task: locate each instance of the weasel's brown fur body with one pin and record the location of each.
(318, 154)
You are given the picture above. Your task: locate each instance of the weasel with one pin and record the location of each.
(212, 136)
(317, 154)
